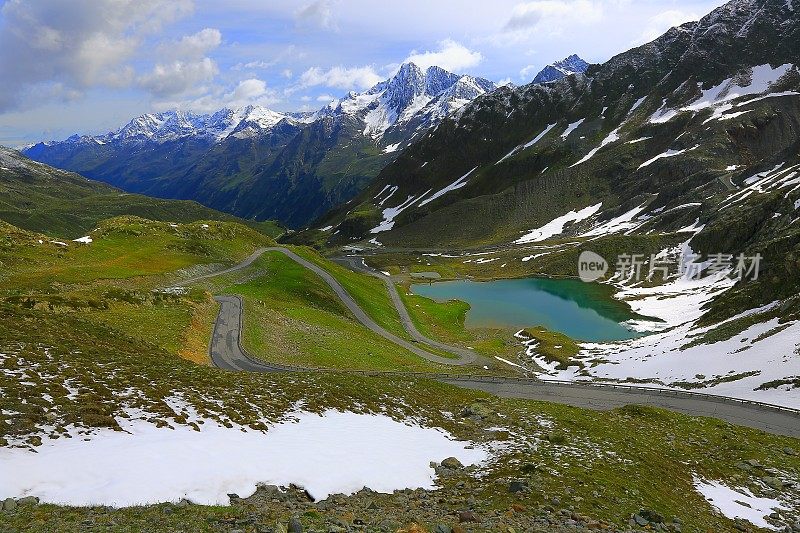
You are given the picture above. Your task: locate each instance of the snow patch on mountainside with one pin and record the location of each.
(739, 503)
(668, 153)
(761, 79)
(391, 148)
(390, 213)
(460, 182)
(637, 104)
(623, 222)
(612, 137)
(556, 226)
(572, 127)
(757, 81)
(529, 143)
(778, 178)
(763, 352)
(538, 137)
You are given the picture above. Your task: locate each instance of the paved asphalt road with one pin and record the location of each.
(357, 264)
(461, 356)
(226, 353)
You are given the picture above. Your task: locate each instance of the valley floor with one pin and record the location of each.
(752, 355)
(100, 413)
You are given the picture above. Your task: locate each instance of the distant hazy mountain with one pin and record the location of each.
(259, 163)
(60, 203)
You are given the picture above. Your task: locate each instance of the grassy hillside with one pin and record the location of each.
(40, 198)
(293, 317)
(98, 342)
(600, 469)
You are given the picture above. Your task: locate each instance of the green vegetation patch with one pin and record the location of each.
(293, 317)
(553, 347)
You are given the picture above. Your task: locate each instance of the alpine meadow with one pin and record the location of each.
(336, 266)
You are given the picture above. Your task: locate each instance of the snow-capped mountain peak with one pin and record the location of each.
(171, 125)
(411, 97)
(248, 121)
(560, 69)
(410, 93)
(438, 79)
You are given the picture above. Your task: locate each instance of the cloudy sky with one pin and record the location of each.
(88, 66)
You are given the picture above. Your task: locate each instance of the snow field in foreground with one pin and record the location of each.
(337, 452)
(739, 503)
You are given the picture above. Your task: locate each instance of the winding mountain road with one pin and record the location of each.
(357, 264)
(461, 356)
(227, 353)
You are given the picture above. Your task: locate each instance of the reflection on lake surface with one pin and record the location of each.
(583, 311)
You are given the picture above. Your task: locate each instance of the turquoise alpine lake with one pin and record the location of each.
(582, 311)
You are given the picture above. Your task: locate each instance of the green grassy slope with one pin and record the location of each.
(293, 317)
(605, 467)
(94, 339)
(40, 198)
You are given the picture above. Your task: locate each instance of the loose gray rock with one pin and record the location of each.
(773, 482)
(517, 486)
(295, 526)
(652, 517)
(28, 500)
(452, 463)
(9, 504)
(477, 410)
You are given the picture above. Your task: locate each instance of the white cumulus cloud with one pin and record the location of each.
(249, 91)
(196, 45)
(245, 92)
(550, 17)
(658, 24)
(64, 48)
(319, 14)
(178, 76)
(451, 56)
(187, 68)
(340, 77)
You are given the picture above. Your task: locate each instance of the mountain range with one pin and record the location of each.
(261, 164)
